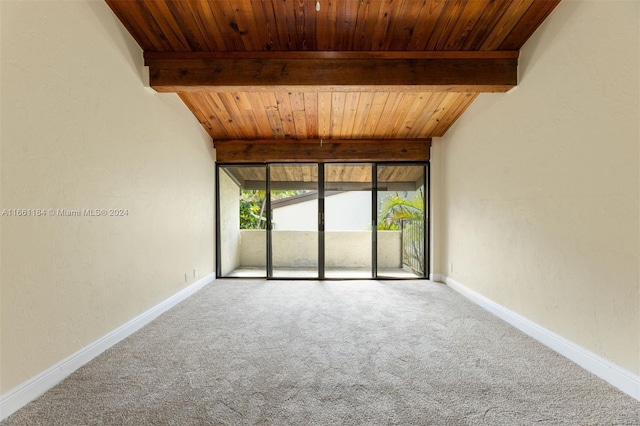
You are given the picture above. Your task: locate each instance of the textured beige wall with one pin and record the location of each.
(540, 187)
(80, 131)
(253, 248)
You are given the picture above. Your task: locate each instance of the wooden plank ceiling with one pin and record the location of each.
(272, 70)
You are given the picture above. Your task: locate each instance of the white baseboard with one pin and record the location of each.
(437, 278)
(20, 396)
(622, 379)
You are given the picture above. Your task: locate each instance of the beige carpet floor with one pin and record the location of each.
(246, 352)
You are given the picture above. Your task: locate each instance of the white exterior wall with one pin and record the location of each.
(348, 211)
(229, 224)
(345, 211)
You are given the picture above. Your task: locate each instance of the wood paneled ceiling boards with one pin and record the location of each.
(367, 72)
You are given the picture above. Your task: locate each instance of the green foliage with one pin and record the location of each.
(394, 208)
(253, 204)
(392, 211)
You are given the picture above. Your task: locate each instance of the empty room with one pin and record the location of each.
(315, 212)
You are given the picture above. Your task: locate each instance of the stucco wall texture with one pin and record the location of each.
(81, 131)
(538, 189)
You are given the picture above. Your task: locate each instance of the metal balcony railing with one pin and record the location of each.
(413, 245)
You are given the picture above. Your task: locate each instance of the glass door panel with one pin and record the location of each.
(347, 220)
(242, 222)
(401, 220)
(294, 220)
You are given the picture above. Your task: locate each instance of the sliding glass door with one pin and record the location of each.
(317, 221)
(348, 229)
(293, 192)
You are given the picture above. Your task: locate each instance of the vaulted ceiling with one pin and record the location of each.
(353, 70)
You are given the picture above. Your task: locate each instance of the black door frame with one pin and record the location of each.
(321, 222)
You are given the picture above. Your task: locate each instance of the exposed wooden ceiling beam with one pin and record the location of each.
(315, 71)
(331, 150)
(330, 54)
